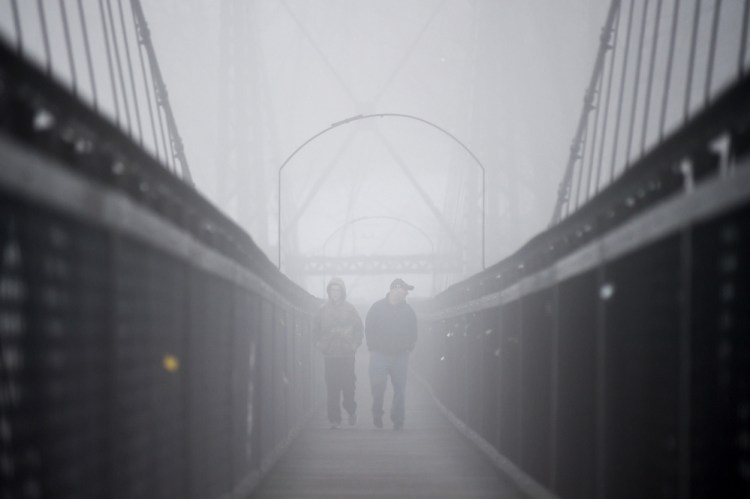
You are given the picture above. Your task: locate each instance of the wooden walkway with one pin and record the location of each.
(429, 458)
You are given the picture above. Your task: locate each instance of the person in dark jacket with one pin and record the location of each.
(391, 333)
(337, 330)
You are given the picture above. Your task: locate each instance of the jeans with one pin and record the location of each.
(340, 379)
(381, 366)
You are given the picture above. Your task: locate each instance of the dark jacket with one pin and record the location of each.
(337, 327)
(391, 328)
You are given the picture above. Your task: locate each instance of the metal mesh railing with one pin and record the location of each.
(147, 347)
(607, 357)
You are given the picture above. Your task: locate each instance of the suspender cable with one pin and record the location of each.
(17, 25)
(691, 60)
(743, 40)
(670, 63)
(649, 86)
(130, 72)
(581, 155)
(622, 92)
(563, 190)
(712, 50)
(175, 141)
(168, 157)
(612, 61)
(119, 67)
(148, 93)
(109, 62)
(71, 59)
(88, 53)
(595, 134)
(45, 36)
(636, 84)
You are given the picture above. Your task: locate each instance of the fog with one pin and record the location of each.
(479, 86)
(249, 85)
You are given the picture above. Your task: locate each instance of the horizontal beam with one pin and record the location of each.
(375, 264)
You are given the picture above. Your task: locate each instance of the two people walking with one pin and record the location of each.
(337, 330)
(390, 331)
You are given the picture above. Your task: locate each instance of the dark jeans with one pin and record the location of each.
(340, 379)
(396, 366)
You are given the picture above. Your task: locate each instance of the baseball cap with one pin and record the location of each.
(399, 283)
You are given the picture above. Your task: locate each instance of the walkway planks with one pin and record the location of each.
(428, 459)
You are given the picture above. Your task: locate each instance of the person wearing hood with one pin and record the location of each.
(338, 332)
(391, 332)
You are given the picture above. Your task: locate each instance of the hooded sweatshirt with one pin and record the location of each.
(337, 328)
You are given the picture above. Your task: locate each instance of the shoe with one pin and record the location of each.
(398, 426)
(352, 419)
(335, 426)
(378, 421)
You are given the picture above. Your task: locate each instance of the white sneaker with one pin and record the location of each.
(352, 419)
(334, 426)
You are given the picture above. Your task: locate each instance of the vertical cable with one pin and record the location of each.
(712, 50)
(45, 36)
(109, 62)
(581, 152)
(145, 82)
(636, 85)
(71, 59)
(743, 39)
(172, 154)
(601, 59)
(670, 63)
(167, 157)
(622, 92)
(119, 66)
(613, 60)
(691, 60)
(88, 52)
(649, 86)
(596, 130)
(17, 24)
(130, 72)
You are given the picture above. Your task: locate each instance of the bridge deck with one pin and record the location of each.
(429, 458)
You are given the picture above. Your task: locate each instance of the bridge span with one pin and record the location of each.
(149, 347)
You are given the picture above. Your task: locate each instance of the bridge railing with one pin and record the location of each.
(659, 63)
(103, 54)
(148, 348)
(608, 357)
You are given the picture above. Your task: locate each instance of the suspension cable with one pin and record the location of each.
(175, 141)
(145, 82)
(110, 65)
(71, 59)
(581, 162)
(636, 85)
(743, 40)
(169, 157)
(670, 63)
(691, 60)
(119, 67)
(87, 46)
(597, 108)
(649, 86)
(17, 24)
(607, 100)
(45, 36)
(712, 51)
(622, 92)
(130, 73)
